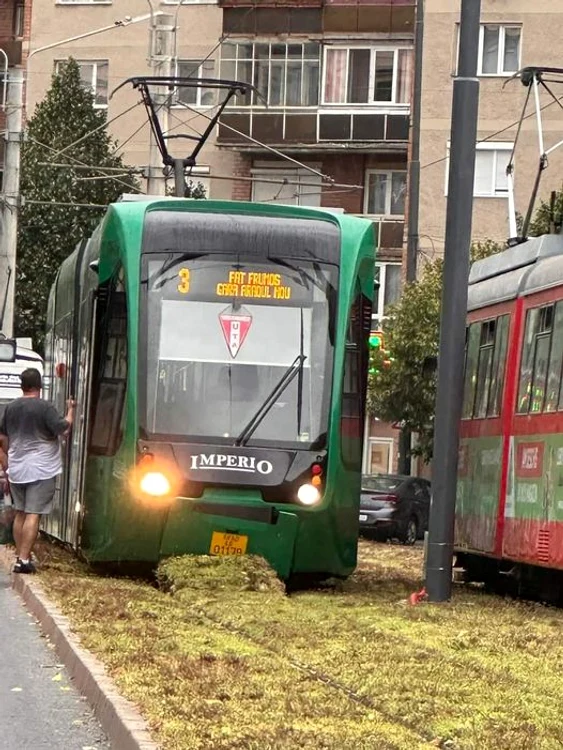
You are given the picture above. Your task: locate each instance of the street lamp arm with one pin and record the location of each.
(127, 21)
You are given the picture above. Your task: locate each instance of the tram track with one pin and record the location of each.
(314, 673)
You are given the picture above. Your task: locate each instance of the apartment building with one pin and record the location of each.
(513, 34)
(15, 21)
(117, 52)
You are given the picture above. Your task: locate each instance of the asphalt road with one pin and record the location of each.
(39, 708)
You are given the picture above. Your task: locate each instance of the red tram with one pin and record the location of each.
(509, 515)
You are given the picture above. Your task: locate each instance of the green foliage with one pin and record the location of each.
(401, 391)
(195, 190)
(49, 233)
(541, 223)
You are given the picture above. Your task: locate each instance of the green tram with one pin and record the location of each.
(218, 353)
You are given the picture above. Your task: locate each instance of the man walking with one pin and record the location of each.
(29, 433)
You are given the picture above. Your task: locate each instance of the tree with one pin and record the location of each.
(192, 189)
(195, 190)
(400, 389)
(61, 205)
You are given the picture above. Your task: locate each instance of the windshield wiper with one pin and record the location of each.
(250, 428)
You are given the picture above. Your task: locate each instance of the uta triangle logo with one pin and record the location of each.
(235, 328)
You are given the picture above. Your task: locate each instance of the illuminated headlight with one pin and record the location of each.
(155, 483)
(307, 494)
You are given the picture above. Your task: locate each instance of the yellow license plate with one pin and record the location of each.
(227, 544)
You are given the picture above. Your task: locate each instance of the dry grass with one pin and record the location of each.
(222, 659)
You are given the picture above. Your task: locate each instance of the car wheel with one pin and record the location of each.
(410, 533)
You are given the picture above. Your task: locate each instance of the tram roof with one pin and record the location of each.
(521, 270)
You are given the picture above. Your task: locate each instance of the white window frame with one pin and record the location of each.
(378, 315)
(504, 146)
(94, 64)
(374, 49)
(294, 174)
(500, 72)
(199, 90)
(389, 173)
(258, 103)
(19, 20)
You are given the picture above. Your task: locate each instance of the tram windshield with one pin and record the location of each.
(239, 352)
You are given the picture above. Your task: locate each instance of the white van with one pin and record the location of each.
(16, 355)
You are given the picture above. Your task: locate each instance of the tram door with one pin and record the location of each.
(82, 376)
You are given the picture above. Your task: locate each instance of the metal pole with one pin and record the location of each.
(11, 195)
(179, 178)
(414, 164)
(405, 438)
(465, 107)
(161, 55)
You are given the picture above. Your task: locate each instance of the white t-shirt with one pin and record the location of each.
(33, 427)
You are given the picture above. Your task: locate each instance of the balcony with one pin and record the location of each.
(389, 233)
(315, 95)
(319, 128)
(318, 16)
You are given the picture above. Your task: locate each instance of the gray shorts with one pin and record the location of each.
(34, 497)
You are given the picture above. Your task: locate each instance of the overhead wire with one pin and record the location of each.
(78, 161)
(263, 145)
(498, 132)
(95, 130)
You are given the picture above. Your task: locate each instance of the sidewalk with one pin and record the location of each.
(39, 707)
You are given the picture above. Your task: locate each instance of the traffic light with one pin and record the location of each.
(376, 340)
(377, 344)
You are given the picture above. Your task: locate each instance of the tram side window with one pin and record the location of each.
(110, 370)
(485, 356)
(351, 420)
(499, 365)
(538, 359)
(484, 367)
(471, 358)
(552, 396)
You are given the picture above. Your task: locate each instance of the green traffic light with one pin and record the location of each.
(374, 340)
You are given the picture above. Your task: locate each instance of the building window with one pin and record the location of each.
(286, 75)
(491, 160)
(295, 187)
(364, 75)
(385, 193)
(379, 459)
(19, 20)
(499, 49)
(94, 75)
(196, 96)
(387, 289)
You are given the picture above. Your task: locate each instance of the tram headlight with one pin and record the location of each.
(308, 494)
(156, 484)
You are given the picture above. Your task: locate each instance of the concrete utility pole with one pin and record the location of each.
(465, 107)
(11, 197)
(405, 438)
(161, 60)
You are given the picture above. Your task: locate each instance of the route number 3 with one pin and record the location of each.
(184, 276)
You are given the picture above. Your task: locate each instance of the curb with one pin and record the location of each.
(123, 724)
